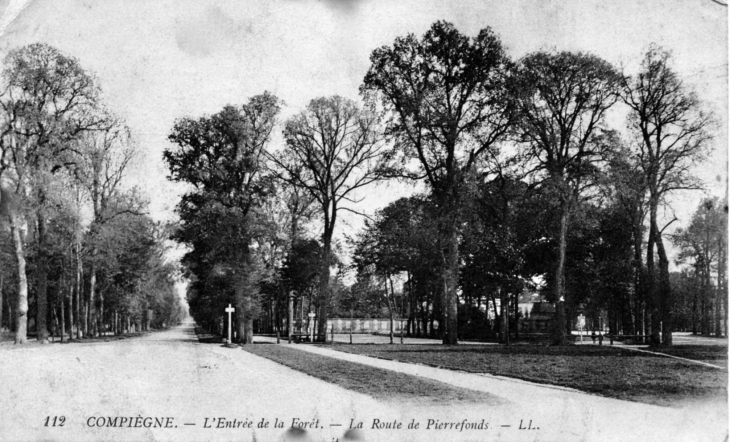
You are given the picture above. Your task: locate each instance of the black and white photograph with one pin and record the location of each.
(364, 220)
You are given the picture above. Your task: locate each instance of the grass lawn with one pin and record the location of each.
(608, 371)
(376, 382)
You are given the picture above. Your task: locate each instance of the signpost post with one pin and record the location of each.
(581, 326)
(290, 318)
(311, 326)
(229, 310)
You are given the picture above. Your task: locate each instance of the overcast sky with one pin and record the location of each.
(161, 60)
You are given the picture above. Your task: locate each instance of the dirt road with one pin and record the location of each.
(168, 387)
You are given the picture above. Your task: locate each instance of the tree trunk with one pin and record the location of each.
(92, 300)
(451, 280)
(10, 318)
(248, 321)
(100, 314)
(639, 293)
(429, 323)
(244, 302)
(21, 309)
(42, 288)
(720, 293)
(54, 321)
(391, 300)
(240, 323)
(411, 307)
(560, 319)
(664, 291)
(495, 328)
(1, 302)
(424, 319)
(63, 317)
(517, 317)
(324, 280)
(504, 316)
(651, 279)
(78, 294)
(290, 316)
(86, 317)
(71, 315)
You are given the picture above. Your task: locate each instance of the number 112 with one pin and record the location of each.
(57, 421)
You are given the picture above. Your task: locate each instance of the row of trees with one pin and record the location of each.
(701, 299)
(78, 254)
(525, 178)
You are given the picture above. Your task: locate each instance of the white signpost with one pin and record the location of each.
(581, 326)
(311, 326)
(229, 310)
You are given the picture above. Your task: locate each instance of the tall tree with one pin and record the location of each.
(704, 242)
(60, 235)
(50, 100)
(101, 248)
(300, 273)
(382, 251)
(561, 101)
(399, 241)
(446, 97)
(221, 156)
(333, 148)
(133, 275)
(670, 132)
(625, 190)
(213, 234)
(103, 158)
(503, 244)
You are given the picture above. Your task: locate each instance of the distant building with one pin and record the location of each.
(536, 314)
(539, 318)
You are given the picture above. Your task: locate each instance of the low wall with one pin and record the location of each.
(359, 326)
(364, 325)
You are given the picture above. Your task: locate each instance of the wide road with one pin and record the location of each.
(168, 387)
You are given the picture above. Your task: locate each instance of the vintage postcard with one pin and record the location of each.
(363, 220)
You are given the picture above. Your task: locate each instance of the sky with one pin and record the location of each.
(161, 60)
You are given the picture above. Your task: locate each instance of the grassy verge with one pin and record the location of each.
(372, 381)
(8, 339)
(612, 372)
